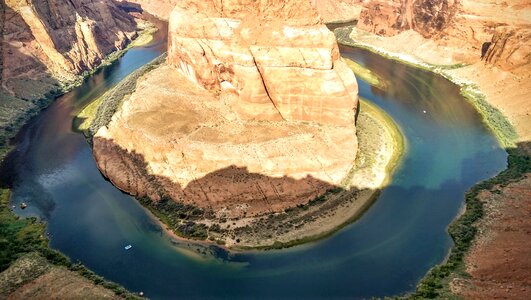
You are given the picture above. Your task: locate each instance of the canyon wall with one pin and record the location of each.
(45, 45)
(68, 37)
(498, 33)
(276, 56)
(158, 8)
(329, 10)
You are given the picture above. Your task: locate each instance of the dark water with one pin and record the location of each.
(386, 252)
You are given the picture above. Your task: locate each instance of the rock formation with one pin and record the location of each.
(485, 29)
(158, 8)
(45, 45)
(337, 10)
(60, 37)
(253, 113)
(277, 56)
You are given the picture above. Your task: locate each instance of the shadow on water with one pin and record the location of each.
(384, 253)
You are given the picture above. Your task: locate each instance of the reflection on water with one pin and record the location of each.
(384, 253)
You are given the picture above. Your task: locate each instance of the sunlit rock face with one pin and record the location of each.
(276, 56)
(253, 113)
(496, 32)
(60, 36)
(45, 44)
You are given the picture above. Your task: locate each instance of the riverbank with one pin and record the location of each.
(480, 86)
(25, 244)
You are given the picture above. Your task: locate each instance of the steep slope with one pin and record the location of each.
(498, 33)
(47, 44)
(276, 56)
(159, 8)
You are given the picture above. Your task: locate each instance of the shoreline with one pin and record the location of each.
(495, 120)
(339, 207)
(441, 279)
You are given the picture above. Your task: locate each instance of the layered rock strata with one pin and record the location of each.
(499, 34)
(276, 56)
(253, 114)
(45, 44)
(64, 37)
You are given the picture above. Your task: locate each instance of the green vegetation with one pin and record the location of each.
(495, 120)
(365, 74)
(180, 218)
(399, 143)
(463, 230)
(25, 237)
(146, 35)
(22, 236)
(86, 116)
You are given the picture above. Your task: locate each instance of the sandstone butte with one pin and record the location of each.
(253, 113)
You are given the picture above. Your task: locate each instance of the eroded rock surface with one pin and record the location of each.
(173, 139)
(64, 37)
(276, 56)
(46, 44)
(158, 8)
(499, 33)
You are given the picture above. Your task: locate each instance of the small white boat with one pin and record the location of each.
(128, 247)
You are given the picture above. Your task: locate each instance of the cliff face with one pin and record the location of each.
(337, 10)
(159, 8)
(46, 44)
(60, 37)
(497, 32)
(276, 56)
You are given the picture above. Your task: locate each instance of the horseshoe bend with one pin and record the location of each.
(245, 134)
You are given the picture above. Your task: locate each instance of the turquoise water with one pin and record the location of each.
(385, 252)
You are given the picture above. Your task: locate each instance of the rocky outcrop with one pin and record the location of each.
(46, 45)
(60, 37)
(253, 114)
(428, 17)
(474, 30)
(509, 48)
(173, 139)
(158, 8)
(276, 56)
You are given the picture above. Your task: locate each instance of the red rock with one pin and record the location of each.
(277, 56)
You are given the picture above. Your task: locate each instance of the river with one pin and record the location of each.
(386, 252)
